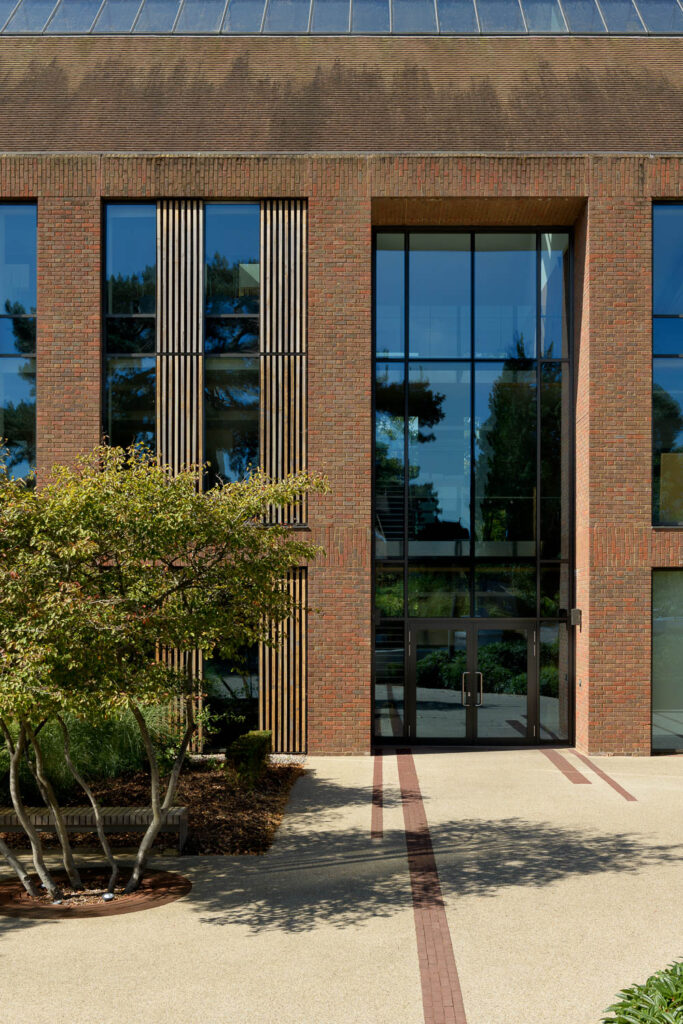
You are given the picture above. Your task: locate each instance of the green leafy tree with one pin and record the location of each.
(108, 564)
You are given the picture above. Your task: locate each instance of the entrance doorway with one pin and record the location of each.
(471, 682)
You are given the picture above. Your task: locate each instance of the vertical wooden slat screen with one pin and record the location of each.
(282, 673)
(180, 330)
(283, 343)
(180, 375)
(282, 705)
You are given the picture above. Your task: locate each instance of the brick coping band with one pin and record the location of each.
(376, 817)
(606, 778)
(565, 766)
(441, 993)
(156, 890)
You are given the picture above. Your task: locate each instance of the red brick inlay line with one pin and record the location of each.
(441, 994)
(567, 769)
(603, 775)
(376, 817)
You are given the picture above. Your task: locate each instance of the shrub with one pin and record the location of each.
(248, 756)
(658, 1001)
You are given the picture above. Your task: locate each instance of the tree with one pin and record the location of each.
(107, 565)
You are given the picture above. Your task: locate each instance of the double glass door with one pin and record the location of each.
(471, 681)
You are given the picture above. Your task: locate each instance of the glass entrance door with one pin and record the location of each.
(471, 682)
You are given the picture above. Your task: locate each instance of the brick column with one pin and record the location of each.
(613, 499)
(339, 444)
(68, 384)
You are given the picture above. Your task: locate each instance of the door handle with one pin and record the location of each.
(481, 689)
(463, 689)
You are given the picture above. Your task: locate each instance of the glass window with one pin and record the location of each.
(621, 16)
(555, 271)
(505, 590)
(74, 16)
(389, 460)
(389, 295)
(439, 459)
(413, 16)
(231, 432)
(505, 295)
(544, 16)
(389, 681)
(201, 16)
(117, 16)
(389, 591)
(555, 449)
(231, 692)
(331, 16)
(667, 441)
(287, 16)
(157, 16)
(505, 460)
(244, 16)
(18, 243)
(439, 273)
(130, 324)
(667, 656)
(232, 373)
(30, 16)
(232, 258)
(667, 262)
(458, 16)
(554, 681)
(500, 16)
(370, 16)
(667, 336)
(439, 590)
(583, 16)
(662, 15)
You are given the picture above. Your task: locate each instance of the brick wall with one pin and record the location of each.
(607, 199)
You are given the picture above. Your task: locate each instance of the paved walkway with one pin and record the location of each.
(487, 887)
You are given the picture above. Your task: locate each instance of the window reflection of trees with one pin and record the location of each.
(18, 414)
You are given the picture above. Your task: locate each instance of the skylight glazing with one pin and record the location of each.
(341, 17)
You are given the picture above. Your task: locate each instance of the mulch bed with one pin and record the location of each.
(156, 890)
(224, 817)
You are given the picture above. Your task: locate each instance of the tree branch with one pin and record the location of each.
(155, 824)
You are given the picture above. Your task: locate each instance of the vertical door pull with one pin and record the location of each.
(464, 704)
(481, 689)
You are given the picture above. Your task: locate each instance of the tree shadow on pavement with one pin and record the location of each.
(320, 872)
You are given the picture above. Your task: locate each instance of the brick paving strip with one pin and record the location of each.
(565, 766)
(607, 778)
(376, 817)
(441, 994)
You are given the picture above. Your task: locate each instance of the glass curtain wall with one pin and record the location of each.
(667, 653)
(667, 368)
(472, 472)
(18, 336)
(130, 324)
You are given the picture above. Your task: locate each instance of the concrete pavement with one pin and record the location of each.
(550, 895)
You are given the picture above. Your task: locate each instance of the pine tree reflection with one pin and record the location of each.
(18, 409)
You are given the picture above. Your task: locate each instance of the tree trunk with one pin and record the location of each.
(157, 807)
(19, 870)
(55, 810)
(99, 823)
(16, 751)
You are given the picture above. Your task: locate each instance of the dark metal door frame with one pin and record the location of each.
(472, 627)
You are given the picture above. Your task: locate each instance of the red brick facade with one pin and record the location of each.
(607, 199)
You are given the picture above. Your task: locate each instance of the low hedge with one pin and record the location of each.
(248, 756)
(658, 1001)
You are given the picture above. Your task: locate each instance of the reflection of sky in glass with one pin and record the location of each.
(244, 16)
(389, 289)
(15, 339)
(440, 296)
(583, 16)
(201, 16)
(74, 16)
(662, 15)
(157, 16)
(131, 242)
(18, 256)
(233, 238)
(500, 16)
(331, 16)
(30, 16)
(370, 16)
(667, 337)
(667, 271)
(117, 16)
(457, 16)
(413, 16)
(621, 16)
(287, 16)
(544, 16)
(504, 294)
